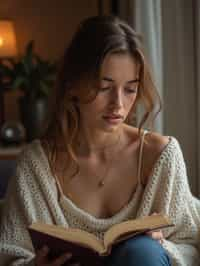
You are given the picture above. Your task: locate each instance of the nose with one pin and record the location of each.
(116, 99)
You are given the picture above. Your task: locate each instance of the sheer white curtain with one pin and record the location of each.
(197, 72)
(180, 90)
(171, 32)
(145, 16)
(147, 20)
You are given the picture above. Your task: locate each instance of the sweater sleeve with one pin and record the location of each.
(182, 241)
(15, 244)
(27, 200)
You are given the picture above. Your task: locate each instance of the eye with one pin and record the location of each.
(104, 89)
(131, 90)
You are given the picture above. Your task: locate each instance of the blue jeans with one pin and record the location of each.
(141, 250)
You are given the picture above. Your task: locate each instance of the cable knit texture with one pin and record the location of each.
(32, 196)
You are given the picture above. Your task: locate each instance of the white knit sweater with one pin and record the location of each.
(32, 196)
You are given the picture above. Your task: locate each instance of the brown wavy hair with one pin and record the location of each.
(78, 77)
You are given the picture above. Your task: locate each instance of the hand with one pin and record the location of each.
(156, 234)
(41, 258)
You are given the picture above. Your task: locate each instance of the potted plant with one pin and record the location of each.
(35, 77)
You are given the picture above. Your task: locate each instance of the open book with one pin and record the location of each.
(84, 244)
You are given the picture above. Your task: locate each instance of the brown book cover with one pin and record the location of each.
(85, 247)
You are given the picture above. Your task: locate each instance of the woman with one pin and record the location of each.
(91, 169)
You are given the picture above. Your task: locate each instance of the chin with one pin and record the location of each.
(111, 129)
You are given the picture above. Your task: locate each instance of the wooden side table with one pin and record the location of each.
(10, 153)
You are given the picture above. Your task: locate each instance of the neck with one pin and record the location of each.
(97, 143)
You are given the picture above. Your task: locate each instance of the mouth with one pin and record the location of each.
(113, 118)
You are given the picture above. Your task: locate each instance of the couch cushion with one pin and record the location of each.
(7, 168)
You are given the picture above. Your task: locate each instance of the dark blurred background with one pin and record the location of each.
(171, 38)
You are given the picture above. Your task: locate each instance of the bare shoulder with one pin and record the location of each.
(154, 144)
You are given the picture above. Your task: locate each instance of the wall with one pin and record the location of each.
(50, 23)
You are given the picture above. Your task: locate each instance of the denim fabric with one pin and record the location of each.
(138, 251)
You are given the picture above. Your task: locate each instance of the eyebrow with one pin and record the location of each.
(111, 80)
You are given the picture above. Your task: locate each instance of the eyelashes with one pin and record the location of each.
(128, 90)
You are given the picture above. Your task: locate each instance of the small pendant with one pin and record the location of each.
(101, 183)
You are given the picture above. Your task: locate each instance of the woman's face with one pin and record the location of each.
(116, 94)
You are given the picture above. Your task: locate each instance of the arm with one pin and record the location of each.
(27, 200)
(15, 248)
(168, 192)
(185, 211)
(181, 241)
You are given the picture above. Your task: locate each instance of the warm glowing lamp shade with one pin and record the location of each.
(8, 47)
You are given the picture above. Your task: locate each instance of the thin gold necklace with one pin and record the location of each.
(101, 182)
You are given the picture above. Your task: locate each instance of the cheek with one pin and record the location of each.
(129, 102)
(100, 102)
(90, 108)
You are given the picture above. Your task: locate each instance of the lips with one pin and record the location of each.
(113, 116)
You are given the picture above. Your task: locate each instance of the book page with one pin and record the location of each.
(74, 235)
(131, 226)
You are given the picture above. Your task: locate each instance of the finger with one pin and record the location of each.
(155, 235)
(160, 240)
(155, 213)
(62, 259)
(41, 254)
(154, 232)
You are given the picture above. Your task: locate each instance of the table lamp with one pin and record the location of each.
(8, 49)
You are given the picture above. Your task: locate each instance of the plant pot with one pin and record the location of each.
(34, 115)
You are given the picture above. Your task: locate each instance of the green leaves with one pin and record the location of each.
(32, 74)
(6, 76)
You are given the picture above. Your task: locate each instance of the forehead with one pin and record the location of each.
(120, 66)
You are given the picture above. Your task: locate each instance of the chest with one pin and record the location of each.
(104, 201)
(120, 183)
